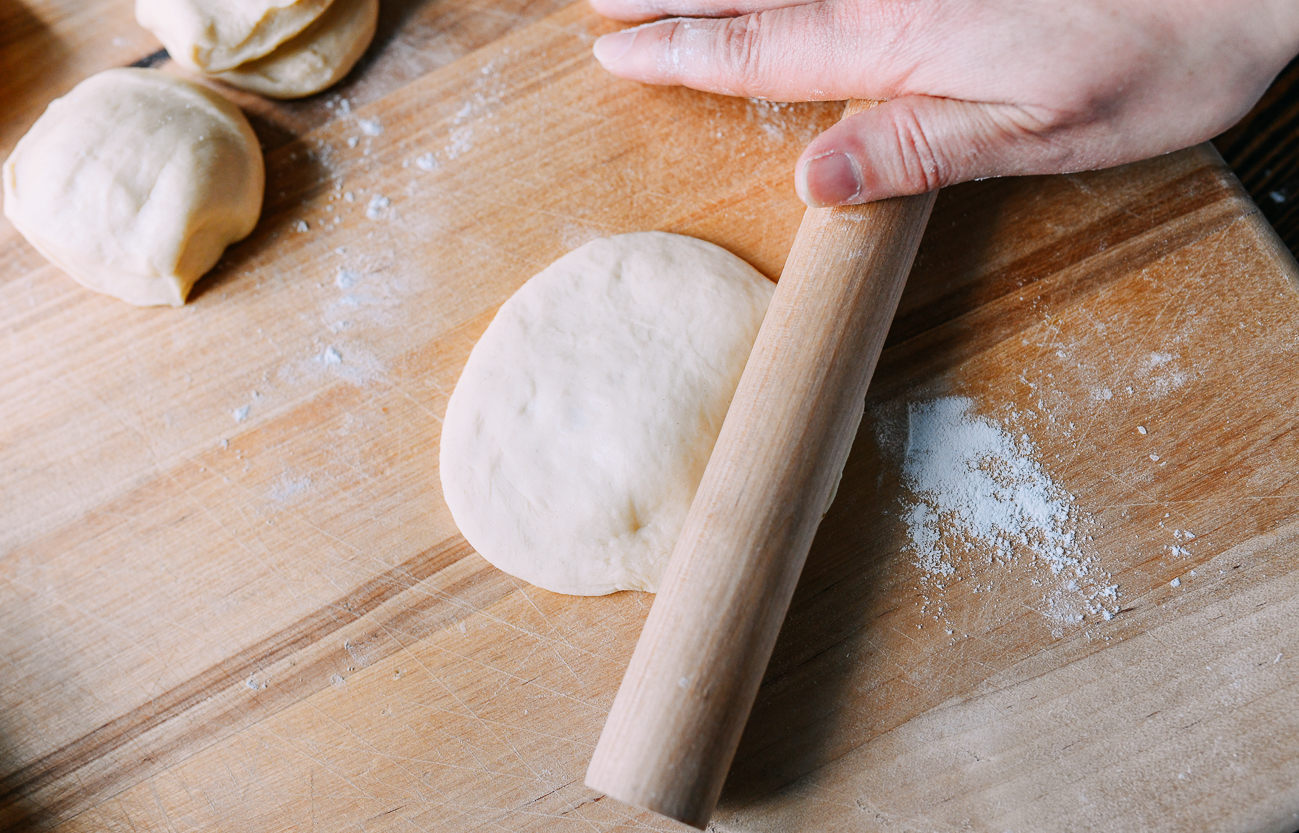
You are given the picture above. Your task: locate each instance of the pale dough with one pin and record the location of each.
(316, 58)
(579, 430)
(217, 35)
(134, 183)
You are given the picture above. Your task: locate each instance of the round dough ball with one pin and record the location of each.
(316, 58)
(216, 35)
(135, 182)
(579, 430)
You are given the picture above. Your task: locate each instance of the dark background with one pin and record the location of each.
(1263, 150)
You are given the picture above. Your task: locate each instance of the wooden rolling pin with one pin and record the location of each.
(687, 694)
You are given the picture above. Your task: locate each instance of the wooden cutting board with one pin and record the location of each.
(233, 598)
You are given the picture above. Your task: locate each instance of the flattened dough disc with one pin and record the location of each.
(578, 432)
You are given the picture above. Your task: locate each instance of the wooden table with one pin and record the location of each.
(234, 600)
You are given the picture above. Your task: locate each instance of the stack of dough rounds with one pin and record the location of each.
(135, 182)
(579, 430)
(278, 48)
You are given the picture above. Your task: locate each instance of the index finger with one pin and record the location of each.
(793, 53)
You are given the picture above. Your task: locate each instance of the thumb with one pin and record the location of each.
(915, 144)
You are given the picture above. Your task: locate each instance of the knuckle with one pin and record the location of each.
(741, 53)
(921, 167)
(672, 46)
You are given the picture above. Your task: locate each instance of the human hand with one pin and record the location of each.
(971, 89)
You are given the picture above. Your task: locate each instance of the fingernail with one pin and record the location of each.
(610, 49)
(830, 179)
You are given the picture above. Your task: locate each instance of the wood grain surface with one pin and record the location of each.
(234, 600)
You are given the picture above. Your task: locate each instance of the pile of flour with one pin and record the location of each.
(978, 501)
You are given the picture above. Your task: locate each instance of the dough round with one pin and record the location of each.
(316, 58)
(579, 430)
(216, 35)
(135, 182)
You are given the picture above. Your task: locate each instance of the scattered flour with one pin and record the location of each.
(288, 487)
(1161, 374)
(980, 500)
(241, 414)
(461, 142)
(378, 207)
(426, 162)
(370, 127)
(1182, 536)
(780, 121)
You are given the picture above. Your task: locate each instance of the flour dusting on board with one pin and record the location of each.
(978, 497)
